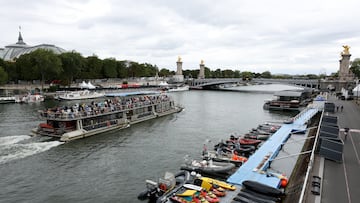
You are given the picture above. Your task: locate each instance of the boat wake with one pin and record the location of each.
(21, 146)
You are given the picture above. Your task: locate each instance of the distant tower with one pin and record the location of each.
(202, 70)
(179, 66)
(179, 77)
(344, 72)
(20, 39)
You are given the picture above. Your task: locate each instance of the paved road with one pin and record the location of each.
(341, 181)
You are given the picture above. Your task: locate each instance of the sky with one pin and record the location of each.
(280, 36)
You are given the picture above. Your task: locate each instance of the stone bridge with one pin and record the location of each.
(211, 83)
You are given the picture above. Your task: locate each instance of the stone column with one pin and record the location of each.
(179, 77)
(344, 71)
(179, 67)
(202, 70)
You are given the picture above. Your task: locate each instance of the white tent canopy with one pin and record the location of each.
(356, 90)
(87, 85)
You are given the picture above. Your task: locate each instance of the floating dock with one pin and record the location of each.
(255, 168)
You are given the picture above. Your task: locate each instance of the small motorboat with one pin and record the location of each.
(289, 121)
(226, 157)
(234, 145)
(156, 191)
(272, 128)
(262, 188)
(244, 141)
(256, 130)
(212, 168)
(256, 136)
(248, 193)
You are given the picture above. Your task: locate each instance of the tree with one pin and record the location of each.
(256, 75)
(2, 62)
(312, 76)
(266, 74)
(246, 75)
(25, 68)
(164, 72)
(121, 69)
(109, 68)
(3, 76)
(237, 74)
(355, 67)
(46, 64)
(40, 64)
(207, 72)
(93, 68)
(227, 73)
(72, 63)
(217, 73)
(12, 70)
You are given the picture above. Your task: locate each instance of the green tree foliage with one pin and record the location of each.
(217, 73)
(39, 64)
(25, 67)
(3, 76)
(12, 71)
(246, 75)
(46, 64)
(121, 69)
(191, 73)
(208, 73)
(134, 70)
(237, 74)
(164, 72)
(109, 68)
(93, 68)
(227, 73)
(355, 67)
(72, 63)
(266, 74)
(43, 64)
(311, 76)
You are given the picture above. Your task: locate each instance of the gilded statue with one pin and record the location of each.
(202, 62)
(179, 59)
(346, 50)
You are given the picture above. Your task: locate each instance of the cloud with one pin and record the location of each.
(280, 36)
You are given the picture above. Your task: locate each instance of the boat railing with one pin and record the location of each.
(102, 124)
(96, 111)
(56, 131)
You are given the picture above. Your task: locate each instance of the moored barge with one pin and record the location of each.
(289, 100)
(79, 121)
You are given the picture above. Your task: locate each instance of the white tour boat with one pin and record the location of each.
(82, 94)
(78, 121)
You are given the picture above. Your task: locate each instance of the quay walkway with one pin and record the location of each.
(340, 182)
(256, 166)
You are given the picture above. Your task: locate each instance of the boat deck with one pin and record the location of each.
(254, 168)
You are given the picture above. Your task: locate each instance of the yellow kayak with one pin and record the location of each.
(219, 183)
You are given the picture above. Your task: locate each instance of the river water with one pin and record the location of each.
(113, 167)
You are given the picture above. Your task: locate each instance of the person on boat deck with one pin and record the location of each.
(237, 145)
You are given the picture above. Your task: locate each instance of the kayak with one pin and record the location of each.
(219, 183)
